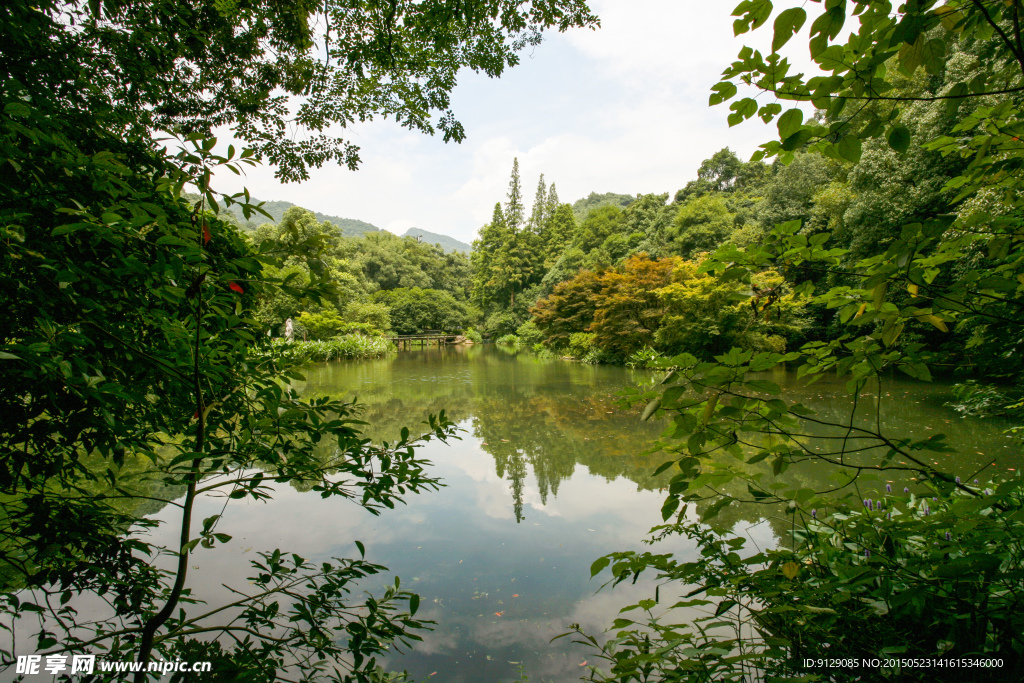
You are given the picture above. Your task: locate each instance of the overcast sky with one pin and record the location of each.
(621, 109)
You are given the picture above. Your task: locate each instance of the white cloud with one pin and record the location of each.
(621, 109)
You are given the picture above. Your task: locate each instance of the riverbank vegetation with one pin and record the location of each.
(345, 347)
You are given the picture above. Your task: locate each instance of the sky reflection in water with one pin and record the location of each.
(548, 476)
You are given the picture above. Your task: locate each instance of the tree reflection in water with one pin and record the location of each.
(549, 416)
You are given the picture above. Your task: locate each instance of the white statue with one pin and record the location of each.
(289, 331)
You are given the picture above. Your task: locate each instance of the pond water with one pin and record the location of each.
(549, 475)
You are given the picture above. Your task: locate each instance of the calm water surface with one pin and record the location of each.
(548, 476)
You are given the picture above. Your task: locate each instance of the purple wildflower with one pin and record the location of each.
(867, 554)
(888, 488)
(906, 490)
(958, 480)
(814, 514)
(949, 536)
(927, 510)
(975, 482)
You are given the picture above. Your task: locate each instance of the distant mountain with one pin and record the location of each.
(449, 244)
(350, 227)
(582, 207)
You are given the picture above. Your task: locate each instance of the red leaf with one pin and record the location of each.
(235, 287)
(206, 234)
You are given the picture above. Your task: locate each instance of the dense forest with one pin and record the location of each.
(614, 277)
(374, 284)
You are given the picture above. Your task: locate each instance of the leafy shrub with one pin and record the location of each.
(415, 310)
(530, 333)
(509, 340)
(362, 328)
(978, 400)
(502, 323)
(347, 347)
(323, 325)
(376, 315)
(902, 577)
(599, 357)
(473, 335)
(643, 358)
(580, 344)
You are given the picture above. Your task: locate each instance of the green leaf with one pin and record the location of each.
(715, 508)
(599, 564)
(663, 466)
(796, 140)
(827, 27)
(758, 457)
(933, 56)
(651, 408)
(8, 356)
(724, 607)
(912, 55)
(362, 549)
(414, 603)
(765, 386)
(17, 109)
(899, 138)
(849, 148)
(786, 25)
(790, 122)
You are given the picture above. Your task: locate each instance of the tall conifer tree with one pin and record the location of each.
(537, 214)
(514, 206)
(550, 204)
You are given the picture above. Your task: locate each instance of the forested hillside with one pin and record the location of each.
(444, 241)
(377, 282)
(350, 227)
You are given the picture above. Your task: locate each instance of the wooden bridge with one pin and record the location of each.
(427, 338)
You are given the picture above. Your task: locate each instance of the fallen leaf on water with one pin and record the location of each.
(515, 595)
(584, 663)
(434, 673)
(498, 614)
(460, 561)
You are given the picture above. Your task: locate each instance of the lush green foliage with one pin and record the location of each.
(510, 259)
(581, 208)
(346, 347)
(669, 306)
(415, 310)
(900, 578)
(357, 274)
(899, 226)
(132, 350)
